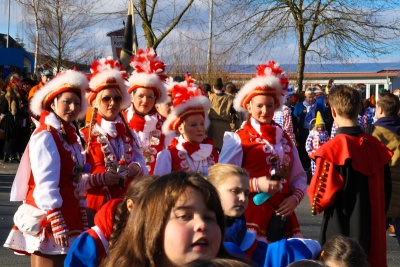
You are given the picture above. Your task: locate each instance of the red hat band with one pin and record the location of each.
(260, 91)
(157, 91)
(65, 88)
(109, 84)
(188, 112)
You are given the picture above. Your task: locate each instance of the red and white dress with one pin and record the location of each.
(109, 144)
(252, 150)
(314, 141)
(46, 179)
(148, 131)
(186, 156)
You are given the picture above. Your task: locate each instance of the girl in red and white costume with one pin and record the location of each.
(192, 150)
(50, 171)
(147, 87)
(112, 148)
(164, 108)
(263, 149)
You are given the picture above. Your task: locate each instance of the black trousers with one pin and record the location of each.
(304, 158)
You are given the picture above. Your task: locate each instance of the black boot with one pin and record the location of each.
(6, 157)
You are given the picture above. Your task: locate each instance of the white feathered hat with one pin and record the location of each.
(188, 99)
(148, 73)
(68, 81)
(107, 74)
(269, 80)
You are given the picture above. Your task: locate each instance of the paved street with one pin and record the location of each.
(309, 225)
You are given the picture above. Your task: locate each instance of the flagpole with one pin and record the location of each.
(8, 26)
(209, 38)
(129, 43)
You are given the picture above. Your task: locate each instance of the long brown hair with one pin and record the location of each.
(141, 243)
(134, 192)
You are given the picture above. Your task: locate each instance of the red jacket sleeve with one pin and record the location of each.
(324, 184)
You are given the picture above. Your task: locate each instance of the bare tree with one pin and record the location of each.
(186, 47)
(321, 30)
(65, 29)
(159, 19)
(32, 8)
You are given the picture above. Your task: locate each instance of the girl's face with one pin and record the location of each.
(110, 104)
(68, 106)
(191, 231)
(143, 100)
(193, 128)
(262, 108)
(234, 193)
(165, 108)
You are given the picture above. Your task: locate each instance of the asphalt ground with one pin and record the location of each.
(310, 225)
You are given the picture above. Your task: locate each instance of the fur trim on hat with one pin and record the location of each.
(249, 87)
(148, 73)
(105, 80)
(198, 101)
(270, 76)
(148, 81)
(69, 77)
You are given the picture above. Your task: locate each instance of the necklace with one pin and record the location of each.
(111, 153)
(76, 156)
(116, 148)
(75, 151)
(148, 143)
(191, 162)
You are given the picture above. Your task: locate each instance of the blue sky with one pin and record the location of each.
(14, 18)
(16, 29)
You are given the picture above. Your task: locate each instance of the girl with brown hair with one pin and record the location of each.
(49, 175)
(178, 220)
(93, 246)
(147, 88)
(191, 150)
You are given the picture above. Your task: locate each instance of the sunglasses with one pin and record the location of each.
(116, 99)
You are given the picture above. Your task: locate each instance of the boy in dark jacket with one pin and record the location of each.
(349, 181)
(387, 130)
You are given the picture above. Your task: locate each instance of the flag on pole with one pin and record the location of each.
(129, 43)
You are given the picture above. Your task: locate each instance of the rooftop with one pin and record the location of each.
(326, 68)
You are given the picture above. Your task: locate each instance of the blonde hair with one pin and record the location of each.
(219, 173)
(99, 96)
(95, 110)
(149, 216)
(322, 125)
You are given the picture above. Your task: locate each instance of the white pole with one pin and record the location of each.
(209, 37)
(8, 30)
